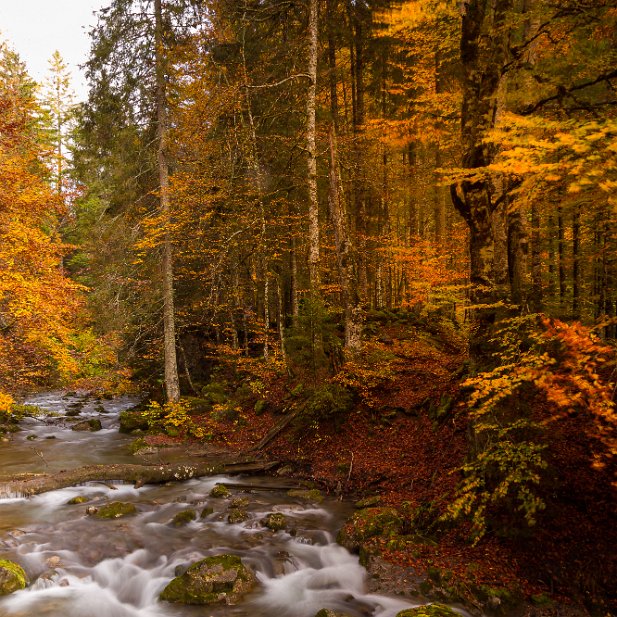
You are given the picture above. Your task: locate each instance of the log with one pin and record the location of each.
(276, 429)
(136, 474)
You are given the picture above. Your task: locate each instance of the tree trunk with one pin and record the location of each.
(172, 383)
(311, 149)
(576, 269)
(536, 261)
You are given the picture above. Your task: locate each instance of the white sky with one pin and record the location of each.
(37, 28)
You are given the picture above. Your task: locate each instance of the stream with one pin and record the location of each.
(85, 567)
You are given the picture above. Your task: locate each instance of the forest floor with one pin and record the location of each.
(401, 443)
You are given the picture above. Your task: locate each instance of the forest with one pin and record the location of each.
(365, 245)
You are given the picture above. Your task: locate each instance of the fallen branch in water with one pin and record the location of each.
(136, 474)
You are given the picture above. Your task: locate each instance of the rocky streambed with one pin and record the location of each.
(217, 546)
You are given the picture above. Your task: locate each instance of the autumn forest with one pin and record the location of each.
(365, 246)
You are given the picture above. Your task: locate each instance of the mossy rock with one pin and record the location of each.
(220, 579)
(207, 511)
(368, 523)
(260, 406)
(237, 516)
(368, 502)
(92, 425)
(541, 600)
(313, 495)
(131, 421)
(326, 612)
(500, 599)
(239, 502)
(275, 521)
(12, 577)
(430, 610)
(198, 406)
(215, 393)
(220, 491)
(116, 509)
(139, 446)
(77, 500)
(183, 518)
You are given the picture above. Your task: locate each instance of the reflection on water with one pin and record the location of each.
(85, 567)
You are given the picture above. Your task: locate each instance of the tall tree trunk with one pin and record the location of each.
(536, 261)
(345, 255)
(311, 149)
(518, 249)
(483, 54)
(561, 256)
(576, 267)
(172, 384)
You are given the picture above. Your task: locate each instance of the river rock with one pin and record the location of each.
(220, 579)
(429, 610)
(115, 509)
(275, 521)
(326, 612)
(237, 515)
(77, 500)
(183, 518)
(313, 495)
(12, 577)
(92, 425)
(219, 490)
(131, 421)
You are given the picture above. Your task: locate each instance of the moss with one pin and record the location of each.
(220, 491)
(131, 421)
(312, 495)
(116, 509)
(77, 500)
(139, 446)
(237, 516)
(198, 406)
(207, 511)
(260, 407)
(326, 612)
(12, 577)
(368, 523)
(93, 425)
(275, 521)
(183, 518)
(239, 502)
(368, 502)
(541, 599)
(429, 610)
(215, 393)
(216, 579)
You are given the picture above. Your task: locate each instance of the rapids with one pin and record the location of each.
(84, 567)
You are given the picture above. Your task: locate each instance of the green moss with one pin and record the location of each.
(260, 407)
(93, 425)
(116, 509)
(215, 393)
(326, 612)
(138, 446)
(219, 491)
(183, 518)
(237, 516)
(131, 421)
(429, 610)
(312, 495)
(368, 502)
(77, 500)
(216, 579)
(541, 599)
(239, 502)
(12, 577)
(275, 521)
(207, 511)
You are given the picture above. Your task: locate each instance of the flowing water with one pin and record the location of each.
(85, 567)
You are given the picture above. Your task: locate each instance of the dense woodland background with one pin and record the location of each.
(299, 194)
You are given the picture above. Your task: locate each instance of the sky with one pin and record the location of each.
(37, 28)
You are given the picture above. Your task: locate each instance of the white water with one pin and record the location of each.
(84, 567)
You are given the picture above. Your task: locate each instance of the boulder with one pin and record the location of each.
(12, 577)
(237, 515)
(369, 523)
(115, 509)
(77, 500)
(92, 425)
(275, 521)
(183, 518)
(131, 421)
(219, 490)
(326, 612)
(313, 495)
(220, 579)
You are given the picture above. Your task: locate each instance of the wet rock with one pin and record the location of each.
(430, 610)
(74, 409)
(90, 510)
(220, 491)
(51, 437)
(207, 511)
(239, 502)
(312, 495)
(92, 425)
(220, 579)
(237, 516)
(115, 509)
(31, 437)
(12, 577)
(275, 521)
(77, 500)
(140, 447)
(53, 561)
(183, 518)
